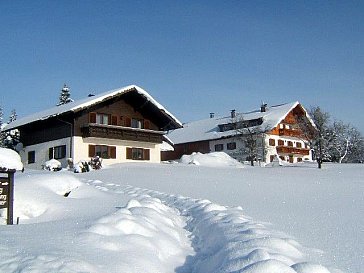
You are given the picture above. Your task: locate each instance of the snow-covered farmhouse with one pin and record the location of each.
(121, 125)
(276, 131)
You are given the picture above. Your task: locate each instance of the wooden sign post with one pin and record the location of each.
(7, 193)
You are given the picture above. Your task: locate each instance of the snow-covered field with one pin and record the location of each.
(201, 217)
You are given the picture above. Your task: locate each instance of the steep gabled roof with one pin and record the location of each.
(208, 129)
(90, 101)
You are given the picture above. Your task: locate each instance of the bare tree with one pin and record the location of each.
(345, 141)
(316, 137)
(252, 135)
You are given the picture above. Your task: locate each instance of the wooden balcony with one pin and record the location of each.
(292, 150)
(120, 132)
(290, 132)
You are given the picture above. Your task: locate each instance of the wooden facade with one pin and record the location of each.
(186, 148)
(120, 132)
(127, 120)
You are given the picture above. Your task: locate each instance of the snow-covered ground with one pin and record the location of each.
(188, 218)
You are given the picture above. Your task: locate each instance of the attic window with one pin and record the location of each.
(136, 123)
(102, 118)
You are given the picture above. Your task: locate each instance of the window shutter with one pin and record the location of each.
(146, 124)
(92, 117)
(91, 150)
(129, 153)
(109, 122)
(113, 152)
(50, 153)
(146, 154)
(114, 120)
(127, 122)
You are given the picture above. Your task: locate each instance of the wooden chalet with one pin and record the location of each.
(121, 125)
(281, 134)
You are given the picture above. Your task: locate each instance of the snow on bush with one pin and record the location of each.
(81, 167)
(10, 160)
(53, 165)
(215, 159)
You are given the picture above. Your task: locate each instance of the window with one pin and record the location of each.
(298, 145)
(272, 142)
(102, 118)
(219, 147)
(31, 157)
(102, 151)
(137, 154)
(136, 123)
(57, 152)
(299, 159)
(290, 143)
(280, 142)
(231, 146)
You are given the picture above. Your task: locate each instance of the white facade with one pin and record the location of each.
(237, 153)
(80, 151)
(265, 150)
(272, 150)
(41, 153)
(81, 146)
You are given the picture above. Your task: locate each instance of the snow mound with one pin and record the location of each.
(215, 159)
(143, 224)
(40, 193)
(10, 160)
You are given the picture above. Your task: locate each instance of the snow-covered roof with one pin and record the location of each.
(87, 102)
(10, 160)
(208, 129)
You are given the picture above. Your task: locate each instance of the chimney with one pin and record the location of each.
(212, 115)
(91, 95)
(263, 107)
(233, 114)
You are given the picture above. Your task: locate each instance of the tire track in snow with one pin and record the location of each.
(227, 241)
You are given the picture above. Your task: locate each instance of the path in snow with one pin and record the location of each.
(223, 238)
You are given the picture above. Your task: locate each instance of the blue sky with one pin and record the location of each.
(194, 57)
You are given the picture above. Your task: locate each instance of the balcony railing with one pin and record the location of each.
(120, 132)
(292, 150)
(290, 132)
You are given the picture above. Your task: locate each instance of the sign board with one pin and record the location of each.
(4, 192)
(7, 194)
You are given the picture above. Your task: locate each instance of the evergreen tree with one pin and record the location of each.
(12, 137)
(13, 116)
(65, 96)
